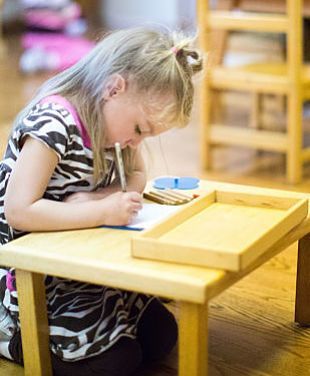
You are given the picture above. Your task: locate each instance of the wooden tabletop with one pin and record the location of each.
(102, 256)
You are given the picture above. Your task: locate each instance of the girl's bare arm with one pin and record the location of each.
(26, 210)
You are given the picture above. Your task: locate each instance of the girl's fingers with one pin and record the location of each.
(135, 196)
(137, 207)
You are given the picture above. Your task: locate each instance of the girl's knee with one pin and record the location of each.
(122, 359)
(157, 331)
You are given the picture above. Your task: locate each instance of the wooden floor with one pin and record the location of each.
(252, 330)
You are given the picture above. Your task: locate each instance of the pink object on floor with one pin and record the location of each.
(52, 19)
(61, 51)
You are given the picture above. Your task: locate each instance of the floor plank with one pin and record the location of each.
(8, 368)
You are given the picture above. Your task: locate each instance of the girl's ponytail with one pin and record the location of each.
(189, 58)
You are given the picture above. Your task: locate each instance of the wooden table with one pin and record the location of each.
(102, 256)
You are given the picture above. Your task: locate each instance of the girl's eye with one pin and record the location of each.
(138, 130)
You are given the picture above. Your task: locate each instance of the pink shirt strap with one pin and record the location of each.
(67, 105)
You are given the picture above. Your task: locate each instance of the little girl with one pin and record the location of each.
(56, 175)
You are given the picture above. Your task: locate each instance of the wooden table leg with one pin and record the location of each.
(193, 339)
(302, 303)
(34, 324)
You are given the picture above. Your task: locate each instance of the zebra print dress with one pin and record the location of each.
(84, 319)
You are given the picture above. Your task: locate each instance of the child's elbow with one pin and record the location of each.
(14, 216)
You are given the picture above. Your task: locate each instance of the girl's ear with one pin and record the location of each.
(115, 85)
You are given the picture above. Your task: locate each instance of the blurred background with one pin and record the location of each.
(251, 325)
(42, 37)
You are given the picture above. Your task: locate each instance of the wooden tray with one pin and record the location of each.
(222, 229)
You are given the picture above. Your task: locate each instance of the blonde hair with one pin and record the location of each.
(158, 64)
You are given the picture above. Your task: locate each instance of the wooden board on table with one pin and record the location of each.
(222, 229)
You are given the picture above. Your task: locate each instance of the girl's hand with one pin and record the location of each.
(120, 208)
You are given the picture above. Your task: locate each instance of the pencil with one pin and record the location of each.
(120, 166)
(167, 197)
(155, 198)
(179, 194)
(176, 196)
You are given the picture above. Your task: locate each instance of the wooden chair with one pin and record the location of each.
(291, 79)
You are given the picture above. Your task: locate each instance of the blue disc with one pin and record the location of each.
(170, 182)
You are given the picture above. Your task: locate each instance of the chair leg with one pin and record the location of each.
(208, 43)
(219, 40)
(295, 93)
(302, 303)
(255, 111)
(2, 44)
(294, 120)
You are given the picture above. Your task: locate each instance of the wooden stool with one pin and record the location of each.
(291, 79)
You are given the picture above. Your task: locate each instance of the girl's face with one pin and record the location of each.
(126, 121)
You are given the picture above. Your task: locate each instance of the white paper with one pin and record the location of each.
(150, 214)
